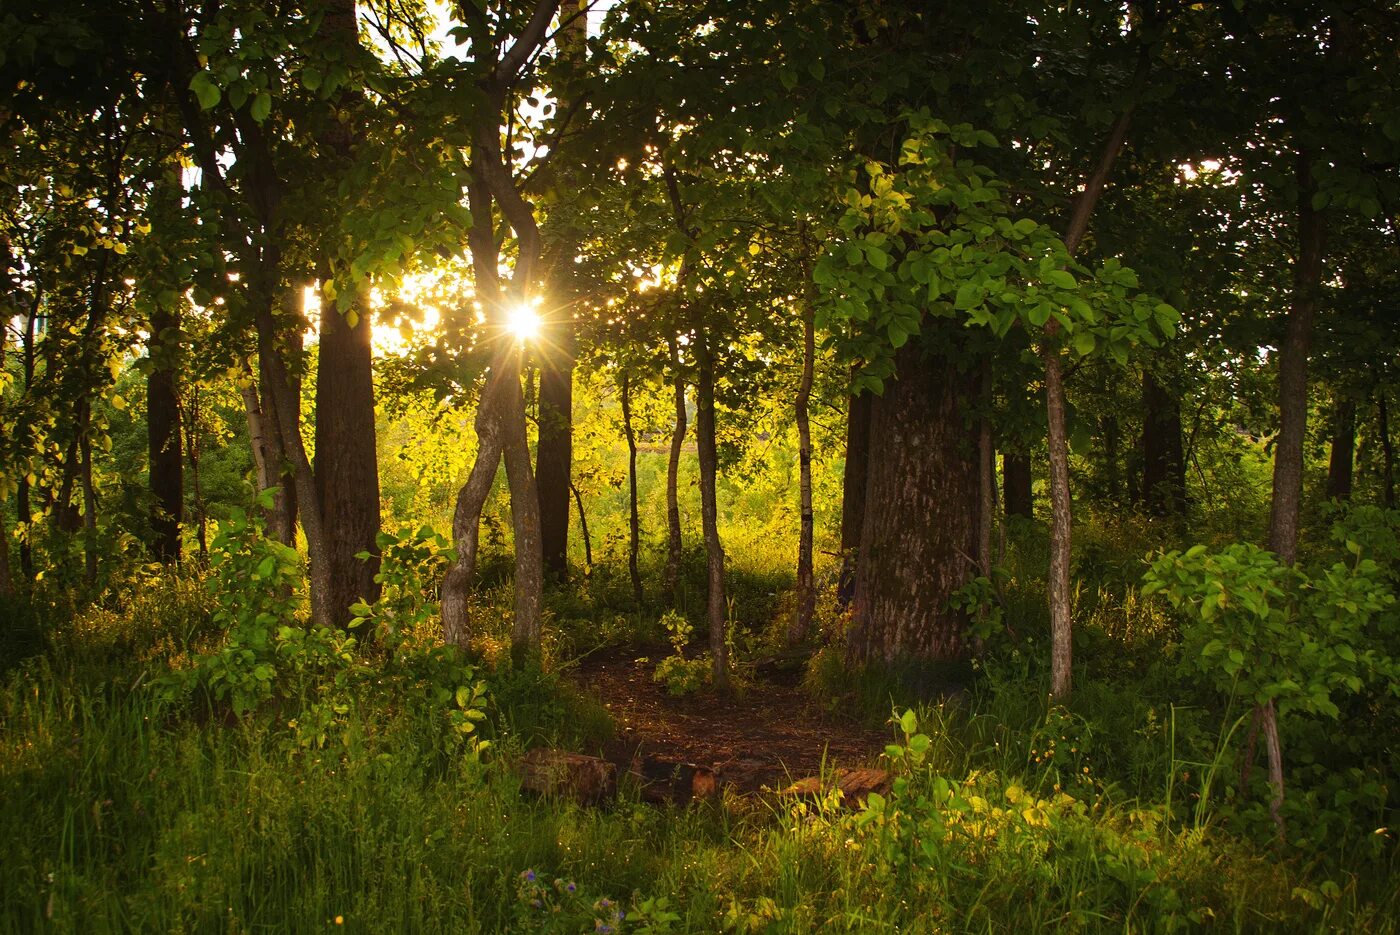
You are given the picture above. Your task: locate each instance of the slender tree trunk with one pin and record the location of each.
(673, 466)
(1387, 452)
(633, 519)
(281, 464)
(1061, 660)
(163, 436)
(525, 521)
(920, 536)
(1061, 521)
(854, 479)
(1112, 456)
(89, 512)
(193, 451)
(1163, 461)
(1339, 466)
(709, 510)
(801, 628)
(986, 476)
(466, 519)
(1016, 485)
(583, 530)
(1293, 372)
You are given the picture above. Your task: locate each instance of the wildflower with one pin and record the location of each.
(340, 920)
(571, 886)
(529, 876)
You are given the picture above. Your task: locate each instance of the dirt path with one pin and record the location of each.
(766, 737)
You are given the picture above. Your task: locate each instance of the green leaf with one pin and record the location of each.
(969, 295)
(1061, 278)
(310, 78)
(205, 90)
(1083, 343)
(909, 721)
(262, 106)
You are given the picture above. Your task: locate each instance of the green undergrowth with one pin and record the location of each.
(155, 778)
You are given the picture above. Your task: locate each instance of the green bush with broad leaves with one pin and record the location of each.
(680, 675)
(1268, 633)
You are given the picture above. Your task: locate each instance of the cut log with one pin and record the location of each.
(586, 779)
(673, 781)
(854, 785)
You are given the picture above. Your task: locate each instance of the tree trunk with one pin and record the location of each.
(583, 530)
(163, 436)
(1163, 462)
(633, 519)
(1339, 466)
(466, 519)
(1387, 452)
(673, 466)
(854, 479)
(1112, 458)
(986, 476)
(709, 510)
(347, 470)
(525, 521)
(554, 454)
(89, 511)
(1016, 485)
(282, 470)
(919, 537)
(1061, 651)
(801, 628)
(1293, 372)
(192, 450)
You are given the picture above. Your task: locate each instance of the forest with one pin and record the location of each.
(699, 465)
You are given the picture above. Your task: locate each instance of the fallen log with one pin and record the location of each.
(585, 779)
(854, 785)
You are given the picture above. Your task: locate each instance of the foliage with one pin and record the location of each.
(681, 675)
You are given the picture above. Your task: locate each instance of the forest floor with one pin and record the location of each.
(767, 735)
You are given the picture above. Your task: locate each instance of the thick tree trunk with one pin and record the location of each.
(347, 469)
(634, 523)
(919, 538)
(1163, 462)
(1016, 485)
(854, 479)
(709, 511)
(163, 437)
(554, 453)
(1339, 466)
(673, 467)
(1387, 451)
(1293, 372)
(801, 628)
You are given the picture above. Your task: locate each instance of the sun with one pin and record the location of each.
(523, 322)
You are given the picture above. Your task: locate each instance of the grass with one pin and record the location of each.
(123, 814)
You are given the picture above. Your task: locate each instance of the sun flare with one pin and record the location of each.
(523, 322)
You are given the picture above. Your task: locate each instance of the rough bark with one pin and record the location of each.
(525, 523)
(163, 437)
(554, 452)
(854, 479)
(801, 627)
(1060, 523)
(673, 466)
(1016, 485)
(192, 451)
(709, 510)
(919, 535)
(1339, 465)
(283, 518)
(1293, 371)
(1163, 460)
(634, 523)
